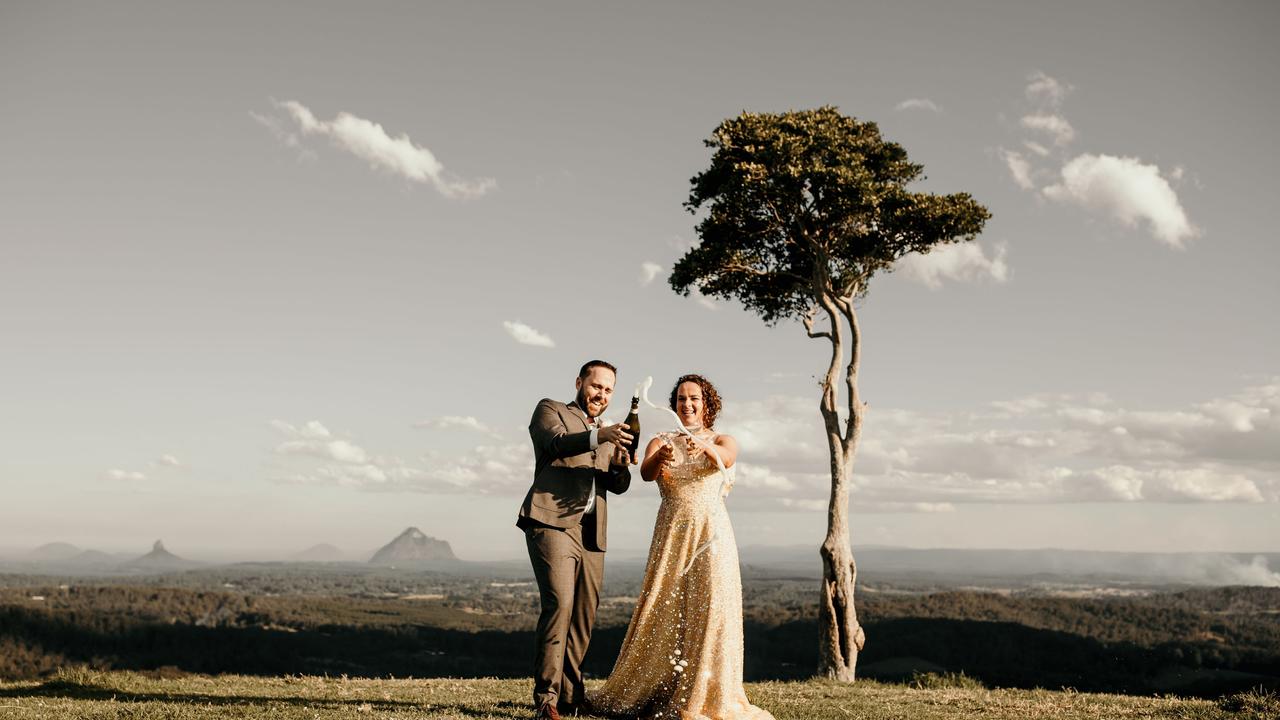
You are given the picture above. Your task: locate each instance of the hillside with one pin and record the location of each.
(105, 696)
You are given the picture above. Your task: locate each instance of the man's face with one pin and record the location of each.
(595, 389)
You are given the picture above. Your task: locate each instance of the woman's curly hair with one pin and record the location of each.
(710, 398)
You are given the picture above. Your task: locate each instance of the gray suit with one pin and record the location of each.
(566, 546)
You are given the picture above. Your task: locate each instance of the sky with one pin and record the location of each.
(276, 275)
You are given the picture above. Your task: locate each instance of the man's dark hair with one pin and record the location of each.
(582, 374)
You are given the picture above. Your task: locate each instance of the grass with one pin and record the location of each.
(134, 696)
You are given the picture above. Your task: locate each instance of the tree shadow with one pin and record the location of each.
(68, 690)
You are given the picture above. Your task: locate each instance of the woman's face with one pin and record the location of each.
(690, 405)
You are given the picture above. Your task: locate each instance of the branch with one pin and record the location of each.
(809, 317)
(856, 407)
(739, 267)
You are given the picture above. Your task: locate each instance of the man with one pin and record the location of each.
(577, 462)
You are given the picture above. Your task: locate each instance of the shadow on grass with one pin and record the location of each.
(999, 654)
(71, 690)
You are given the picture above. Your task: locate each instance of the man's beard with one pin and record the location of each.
(582, 403)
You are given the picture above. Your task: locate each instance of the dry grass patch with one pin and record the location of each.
(134, 696)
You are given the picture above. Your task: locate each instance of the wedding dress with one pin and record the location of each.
(682, 655)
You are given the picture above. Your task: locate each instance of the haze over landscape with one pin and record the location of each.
(272, 280)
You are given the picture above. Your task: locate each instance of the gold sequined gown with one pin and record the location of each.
(682, 655)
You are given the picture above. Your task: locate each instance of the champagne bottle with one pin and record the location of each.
(633, 426)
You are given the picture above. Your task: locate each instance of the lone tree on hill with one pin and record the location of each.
(803, 209)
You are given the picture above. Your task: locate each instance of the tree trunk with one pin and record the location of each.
(840, 635)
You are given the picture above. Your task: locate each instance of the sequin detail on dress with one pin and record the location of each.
(682, 655)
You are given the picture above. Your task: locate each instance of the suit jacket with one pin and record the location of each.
(565, 467)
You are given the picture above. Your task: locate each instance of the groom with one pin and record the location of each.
(577, 462)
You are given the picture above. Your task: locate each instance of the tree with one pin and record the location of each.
(803, 209)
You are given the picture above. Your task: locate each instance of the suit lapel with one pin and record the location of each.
(579, 413)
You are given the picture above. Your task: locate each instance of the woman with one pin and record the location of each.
(682, 656)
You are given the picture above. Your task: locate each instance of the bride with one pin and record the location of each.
(682, 655)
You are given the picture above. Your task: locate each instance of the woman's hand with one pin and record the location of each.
(693, 449)
(659, 457)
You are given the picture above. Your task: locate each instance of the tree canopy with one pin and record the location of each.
(805, 202)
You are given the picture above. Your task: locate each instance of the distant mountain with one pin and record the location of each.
(93, 559)
(324, 552)
(53, 552)
(160, 559)
(413, 547)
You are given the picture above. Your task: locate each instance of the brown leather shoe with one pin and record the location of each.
(547, 712)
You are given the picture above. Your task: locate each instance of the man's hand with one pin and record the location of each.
(620, 456)
(616, 434)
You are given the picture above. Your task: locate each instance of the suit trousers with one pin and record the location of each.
(569, 578)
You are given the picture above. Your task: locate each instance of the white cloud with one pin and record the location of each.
(124, 475)
(960, 262)
(312, 430)
(918, 104)
(1041, 449)
(1128, 190)
(750, 475)
(1019, 168)
(1045, 90)
(1036, 148)
(314, 439)
(167, 461)
(370, 142)
(649, 271)
(1055, 126)
(706, 302)
(464, 422)
(1046, 448)
(526, 335)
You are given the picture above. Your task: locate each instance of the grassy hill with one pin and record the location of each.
(103, 696)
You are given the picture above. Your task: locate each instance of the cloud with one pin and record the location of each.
(1047, 448)
(368, 141)
(1127, 189)
(287, 137)
(918, 104)
(706, 301)
(464, 422)
(1044, 90)
(314, 439)
(649, 271)
(526, 335)
(1055, 126)
(167, 461)
(1019, 168)
(1036, 148)
(123, 475)
(502, 470)
(959, 262)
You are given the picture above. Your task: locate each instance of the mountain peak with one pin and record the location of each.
(158, 547)
(413, 546)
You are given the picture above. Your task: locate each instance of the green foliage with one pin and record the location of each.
(805, 202)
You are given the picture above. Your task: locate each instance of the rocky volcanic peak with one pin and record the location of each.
(161, 559)
(413, 546)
